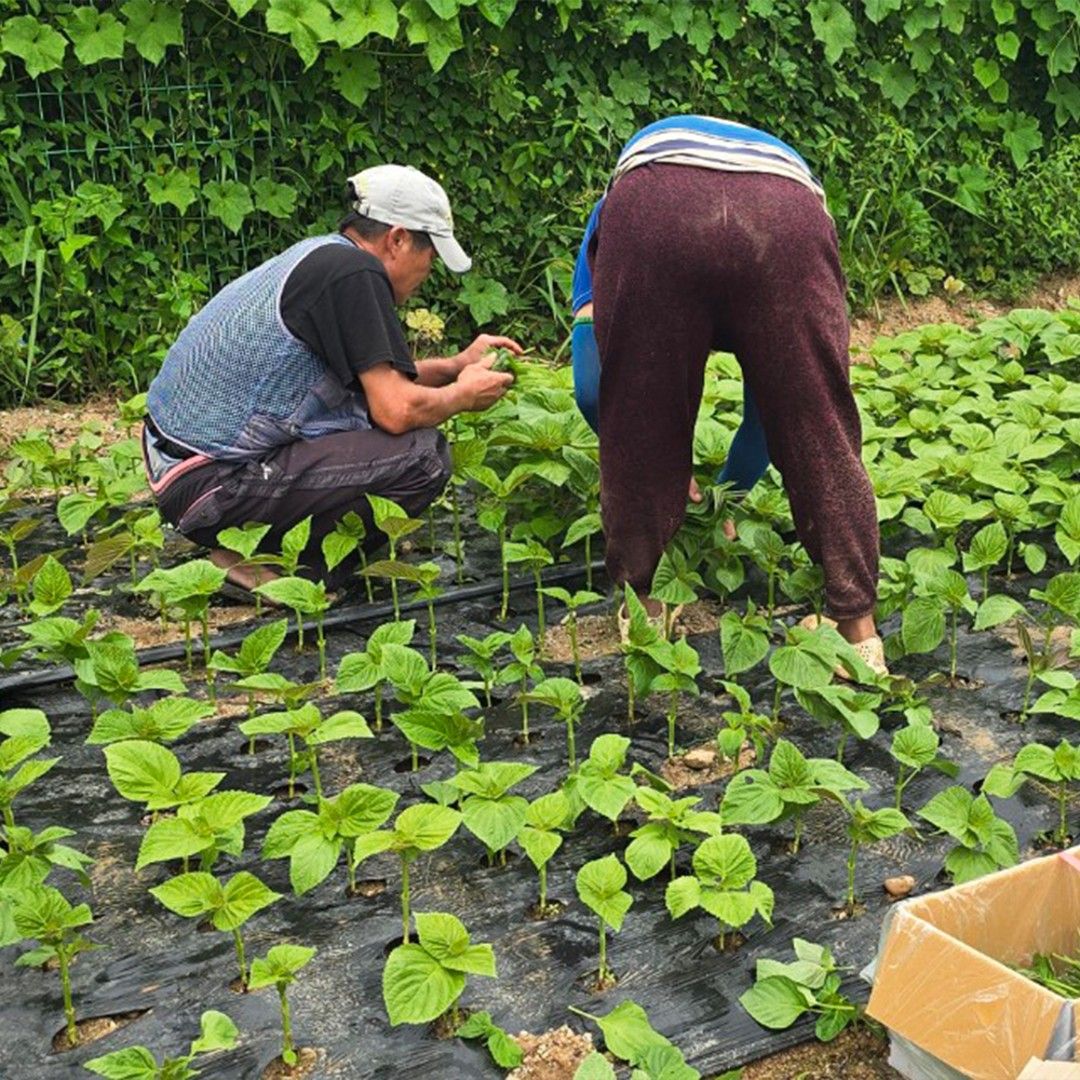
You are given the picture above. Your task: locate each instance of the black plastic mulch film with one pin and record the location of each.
(151, 959)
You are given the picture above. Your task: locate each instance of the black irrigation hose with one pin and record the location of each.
(345, 617)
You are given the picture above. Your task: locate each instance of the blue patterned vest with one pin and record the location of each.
(236, 383)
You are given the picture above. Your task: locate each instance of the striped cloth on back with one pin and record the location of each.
(710, 143)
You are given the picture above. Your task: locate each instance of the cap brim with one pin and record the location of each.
(451, 253)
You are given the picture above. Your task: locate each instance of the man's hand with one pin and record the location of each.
(481, 387)
(696, 497)
(482, 347)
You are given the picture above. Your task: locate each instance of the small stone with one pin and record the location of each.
(899, 887)
(703, 757)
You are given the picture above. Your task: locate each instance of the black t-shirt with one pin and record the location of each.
(338, 301)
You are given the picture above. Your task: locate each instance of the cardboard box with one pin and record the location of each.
(1050, 1070)
(943, 979)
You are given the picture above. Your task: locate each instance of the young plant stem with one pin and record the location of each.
(985, 582)
(505, 574)
(673, 705)
(671, 864)
(404, 898)
(415, 757)
(299, 630)
(431, 528)
(571, 747)
(292, 765)
(630, 697)
(571, 626)
(459, 570)
(9, 819)
(1062, 834)
(797, 839)
(431, 630)
(316, 780)
(842, 746)
(953, 641)
(1027, 691)
(524, 709)
(204, 626)
(771, 595)
(776, 702)
(588, 562)
(850, 905)
(378, 706)
(321, 642)
(603, 955)
(288, 1054)
(541, 628)
(187, 642)
(64, 961)
(543, 889)
(239, 942)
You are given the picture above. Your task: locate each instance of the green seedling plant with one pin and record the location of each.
(25, 733)
(435, 701)
(805, 662)
(423, 980)
(572, 601)
(488, 810)
(136, 535)
(50, 588)
(503, 1050)
(1058, 972)
(43, 914)
(742, 727)
(163, 721)
(227, 904)
(791, 785)
(723, 883)
(671, 823)
(480, 654)
(601, 888)
(492, 516)
(217, 1032)
(313, 840)
(395, 524)
(1063, 697)
(642, 634)
(417, 829)
(540, 839)
(360, 671)
(535, 556)
(988, 547)
(27, 858)
(348, 537)
(782, 992)
(279, 969)
(915, 748)
(14, 534)
(598, 782)
(679, 666)
(1061, 599)
(520, 671)
(985, 842)
(630, 1037)
(110, 671)
(254, 657)
(1067, 530)
(293, 545)
(427, 574)
(303, 597)
(57, 639)
(307, 724)
(144, 772)
(675, 582)
(865, 827)
(564, 697)
(843, 706)
(274, 687)
(744, 640)
(188, 588)
(207, 827)
(584, 481)
(244, 540)
(1058, 766)
(464, 455)
(768, 552)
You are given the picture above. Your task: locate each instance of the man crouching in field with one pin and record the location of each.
(293, 392)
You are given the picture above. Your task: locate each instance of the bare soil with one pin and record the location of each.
(94, 1028)
(61, 421)
(702, 765)
(147, 632)
(554, 1055)
(307, 1059)
(853, 1055)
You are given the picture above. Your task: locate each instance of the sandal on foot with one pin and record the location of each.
(871, 651)
(658, 622)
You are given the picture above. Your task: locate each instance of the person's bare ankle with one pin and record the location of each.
(856, 630)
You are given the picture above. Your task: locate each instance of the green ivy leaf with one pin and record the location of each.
(484, 297)
(39, 46)
(177, 187)
(152, 26)
(1021, 135)
(273, 198)
(96, 35)
(228, 200)
(355, 75)
(833, 26)
(307, 22)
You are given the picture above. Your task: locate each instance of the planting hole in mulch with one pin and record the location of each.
(553, 1055)
(703, 765)
(281, 793)
(445, 1026)
(406, 764)
(551, 910)
(856, 1054)
(307, 1057)
(502, 859)
(367, 889)
(94, 1028)
(393, 943)
(260, 746)
(593, 984)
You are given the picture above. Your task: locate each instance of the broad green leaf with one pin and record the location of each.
(600, 887)
(152, 26)
(416, 987)
(776, 1002)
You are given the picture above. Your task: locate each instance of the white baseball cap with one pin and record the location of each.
(402, 195)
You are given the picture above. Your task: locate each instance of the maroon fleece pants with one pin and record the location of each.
(688, 260)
